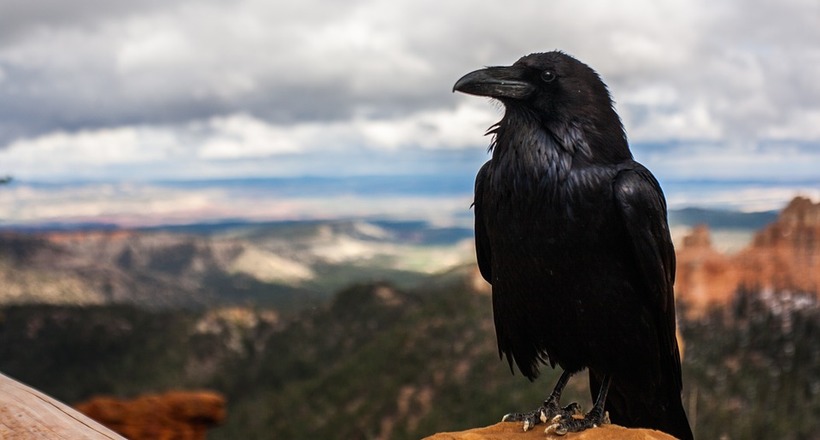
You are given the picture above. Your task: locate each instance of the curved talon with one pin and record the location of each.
(549, 413)
(514, 417)
(560, 424)
(556, 428)
(530, 419)
(565, 422)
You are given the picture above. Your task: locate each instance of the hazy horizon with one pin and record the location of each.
(440, 199)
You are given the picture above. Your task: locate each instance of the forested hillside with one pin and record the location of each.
(381, 362)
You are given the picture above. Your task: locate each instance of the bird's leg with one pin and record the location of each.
(561, 424)
(549, 410)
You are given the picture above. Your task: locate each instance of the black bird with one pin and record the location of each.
(572, 234)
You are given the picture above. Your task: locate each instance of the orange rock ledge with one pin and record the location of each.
(513, 431)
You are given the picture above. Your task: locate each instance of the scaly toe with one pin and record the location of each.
(530, 419)
(556, 428)
(573, 409)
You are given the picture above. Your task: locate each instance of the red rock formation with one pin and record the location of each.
(704, 275)
(175, 415)
(785, 255)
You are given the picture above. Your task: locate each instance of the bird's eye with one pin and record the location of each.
(548, 76)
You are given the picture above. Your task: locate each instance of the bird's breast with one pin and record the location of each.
(523, 195)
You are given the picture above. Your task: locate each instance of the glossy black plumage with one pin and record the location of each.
(572, 234)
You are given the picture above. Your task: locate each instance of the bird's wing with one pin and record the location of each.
(482, 242)
(643, 210)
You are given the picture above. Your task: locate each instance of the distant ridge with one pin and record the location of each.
(721, 219)
(691, 216)
(282, 264)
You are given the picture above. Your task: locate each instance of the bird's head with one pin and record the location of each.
(564, 95)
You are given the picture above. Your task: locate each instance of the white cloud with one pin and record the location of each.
(694, 122)
(781, 161)
(803, 124)
(154, 51)
(242, 136)
(69, 154)
(190, 83)
(238, 137)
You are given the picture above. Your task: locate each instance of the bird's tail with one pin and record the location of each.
(657, 408)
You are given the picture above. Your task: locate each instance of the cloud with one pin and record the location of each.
(139, 204)
(745, 198)
(198, 148)
(106, 84)
(775, 161)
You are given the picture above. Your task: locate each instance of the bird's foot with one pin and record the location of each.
(561, 425)
(546, 412)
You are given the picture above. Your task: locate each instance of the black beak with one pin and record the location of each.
(495, 82)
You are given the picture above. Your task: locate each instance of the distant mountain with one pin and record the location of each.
(286, 264)
(290, 264)
(720, 219)
(152, 270)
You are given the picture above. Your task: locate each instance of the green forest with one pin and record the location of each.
(377, 361)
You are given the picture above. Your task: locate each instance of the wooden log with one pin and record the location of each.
(26, 413)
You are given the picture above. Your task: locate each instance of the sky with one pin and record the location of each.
(130, 93)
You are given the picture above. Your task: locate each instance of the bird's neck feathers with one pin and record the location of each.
(521, 146)
(583, 141)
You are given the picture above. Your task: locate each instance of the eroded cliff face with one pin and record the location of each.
(783, 256)
(786, 254)
(704, 276)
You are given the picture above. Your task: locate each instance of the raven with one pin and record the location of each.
(572, 235)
